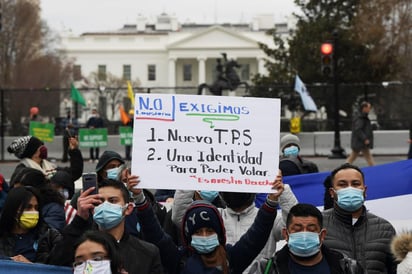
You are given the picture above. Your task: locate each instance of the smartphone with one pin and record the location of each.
(90, 180)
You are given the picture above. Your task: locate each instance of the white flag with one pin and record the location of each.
(307, 101)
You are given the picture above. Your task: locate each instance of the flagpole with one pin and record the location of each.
(76, 110)
(337, 151)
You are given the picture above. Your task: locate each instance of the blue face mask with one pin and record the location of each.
(113, 173)
(304, 244)
(208, 195)
(291, 151)
(350, 198)
(65, 193)
(108, 215)
(205, 244)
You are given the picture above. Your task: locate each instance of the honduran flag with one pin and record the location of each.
(12, 267)
(388, 194)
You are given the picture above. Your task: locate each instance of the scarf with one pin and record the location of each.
(46, 167)
(217, 259)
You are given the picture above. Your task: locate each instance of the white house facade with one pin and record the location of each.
(167, 54)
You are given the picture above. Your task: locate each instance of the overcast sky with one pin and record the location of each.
(100, 15)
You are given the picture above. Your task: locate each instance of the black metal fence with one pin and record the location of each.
(391, 105)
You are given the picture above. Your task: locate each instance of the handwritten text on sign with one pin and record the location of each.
(206, 142)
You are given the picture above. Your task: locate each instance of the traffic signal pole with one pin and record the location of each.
(337, 151)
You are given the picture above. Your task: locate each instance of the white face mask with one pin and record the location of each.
(93, 267)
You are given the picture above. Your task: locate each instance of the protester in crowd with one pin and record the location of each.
(62, 183)
(204, 238)
(52, 210)
(70, 129)
(291, 163)
(239, 214)
(362, 135)
(305, 251)
(352, 229)
(95, 121)
(33, 153)
(24, 237)
(108, 209)
(401, 247)
(96, 251)
(34, 114)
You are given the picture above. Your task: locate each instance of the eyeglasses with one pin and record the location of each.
(95, 259)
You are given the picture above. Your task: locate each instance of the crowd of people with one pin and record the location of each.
(122, 228)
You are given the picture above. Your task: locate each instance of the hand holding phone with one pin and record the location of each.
(90, 180)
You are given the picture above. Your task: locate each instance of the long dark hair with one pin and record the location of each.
(35, 178)
(16, 201)
(110, 245)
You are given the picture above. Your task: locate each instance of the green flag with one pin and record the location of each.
(77, 96)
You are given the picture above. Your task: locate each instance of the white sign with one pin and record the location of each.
(206, 142)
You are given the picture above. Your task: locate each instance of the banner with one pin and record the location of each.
(43, 131)
(206, 142)
(92, 137)
(126, 136)
(12, 267)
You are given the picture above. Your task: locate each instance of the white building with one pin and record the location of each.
(168, 54)
(165, 57)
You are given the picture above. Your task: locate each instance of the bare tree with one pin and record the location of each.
(383, 26)
(114, 92)
(26, 49)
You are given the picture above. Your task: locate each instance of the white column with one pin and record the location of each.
(201, 77)
(172, 74)
(202, 70)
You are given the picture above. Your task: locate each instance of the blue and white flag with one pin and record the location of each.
(307, 101)
(389, 192)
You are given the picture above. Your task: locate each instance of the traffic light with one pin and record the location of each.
(326, 51)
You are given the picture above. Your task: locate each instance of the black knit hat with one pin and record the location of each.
(25, 147)
(64, 179)
(106, 157)
(202, 214)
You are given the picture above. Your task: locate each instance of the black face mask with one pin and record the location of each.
(235, 200)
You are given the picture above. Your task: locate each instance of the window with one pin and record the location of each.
(151, 72)
(127, 72)
(245, 72)
(77, 72)
(187, 72)
(101, 72)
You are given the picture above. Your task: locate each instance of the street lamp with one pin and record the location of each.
(337, 151)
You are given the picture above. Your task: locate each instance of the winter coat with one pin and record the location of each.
(401, 247)
(42, 240)
(367, 241)
(181, 260)
(337, 263)
(138, 256)
(237, 223)
(361, 130)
